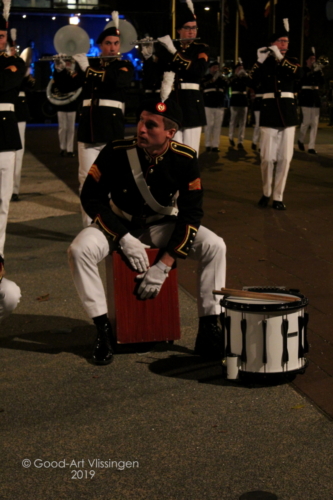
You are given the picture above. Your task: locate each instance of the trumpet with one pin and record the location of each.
(138, 42)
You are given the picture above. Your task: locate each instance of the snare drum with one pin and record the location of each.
(268, 336)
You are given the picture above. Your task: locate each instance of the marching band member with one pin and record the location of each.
(66, 113)
(22, 115)
(12, 70)
(277, 73)
(309, 100)
(154, 168)
(10, 293)
(214, 87)
(188, 60)
(103, 92)
(238, 104)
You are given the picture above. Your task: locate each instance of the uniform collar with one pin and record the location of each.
(157, 158)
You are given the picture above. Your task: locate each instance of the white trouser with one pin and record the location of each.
(256, 130)
(87, 154)
(91, 246)
(190, 137)
(276, 145)
(238, 116)
(214, 118)
(310, 119)
(19, 159)
(7, 162)
(10, 295)
(66, 130)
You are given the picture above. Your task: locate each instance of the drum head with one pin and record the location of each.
(265, 305)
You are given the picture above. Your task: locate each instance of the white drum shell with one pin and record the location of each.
(274, 340)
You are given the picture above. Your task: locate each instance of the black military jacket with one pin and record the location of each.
(239, 84)
(175, 170)
(190, 67)
(106, 80)
(310, 98)
(21, 104)
(277, 77)
(9, 88)
(214, 91)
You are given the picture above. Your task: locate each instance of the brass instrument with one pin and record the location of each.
(138, 42)
(226, 71)
(69, 40)
(323, 61)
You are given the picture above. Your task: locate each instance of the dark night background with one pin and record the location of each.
(153, 17)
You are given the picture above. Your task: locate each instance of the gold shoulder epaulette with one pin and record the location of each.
(292, 65)
(182, 149)
(129, 142)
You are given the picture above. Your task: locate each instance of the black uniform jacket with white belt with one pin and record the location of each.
(21, 104)
(277, 78)
(174, 171)
(214, 91)
(10, 82)
(190, 65)
(238, 86)
(100, 121)
(308, 95)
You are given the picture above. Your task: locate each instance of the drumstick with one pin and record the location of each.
(255, 295)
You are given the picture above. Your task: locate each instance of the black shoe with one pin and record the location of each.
(216, 150)
(208, 149)
(232, 142)
(301, 146)
(279, 205)
(254, 146)
(263, 202)
(240, 145)
(209, 342)
(63, 153)
(102, 350)
(71, 155)
(312, 151)
(15, 197)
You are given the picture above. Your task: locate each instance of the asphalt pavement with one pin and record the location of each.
(160, 423)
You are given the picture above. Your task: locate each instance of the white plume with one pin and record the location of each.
(313, 50)
(13, 34)
(6, 9)
(240, 61)
(190, 5)
(166, 85)
(286, 24)
(115, 18)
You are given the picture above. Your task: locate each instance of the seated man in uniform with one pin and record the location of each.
(130, 193)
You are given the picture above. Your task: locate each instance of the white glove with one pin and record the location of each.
(135, 251)
(216, 76)
(59, 63)
(153, 280)
(262, 54)
(147, 48)
(82, 61)
(277, 54)
(317, 66)
(167, 43)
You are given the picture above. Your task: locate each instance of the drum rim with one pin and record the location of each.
(257, 307)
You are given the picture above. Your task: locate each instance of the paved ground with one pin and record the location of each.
(167, 425)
